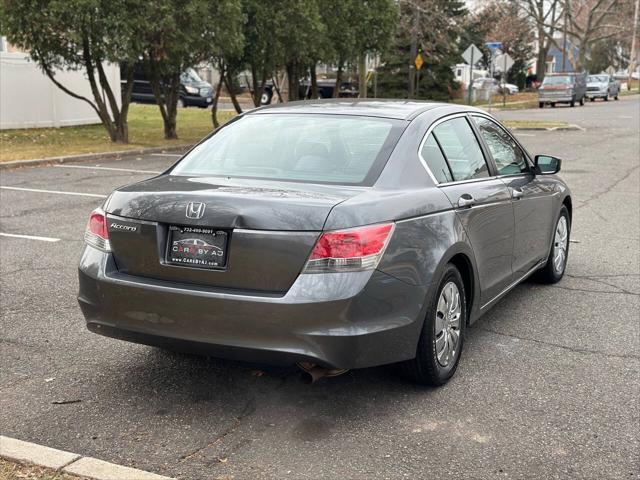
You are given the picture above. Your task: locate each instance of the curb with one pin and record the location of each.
(71, 463)
(92, 156)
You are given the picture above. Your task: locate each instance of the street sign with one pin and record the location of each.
(472, 55)
(493, 46)
(419, 61)
(502, 63)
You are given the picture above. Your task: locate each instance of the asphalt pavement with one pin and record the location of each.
(548, 384)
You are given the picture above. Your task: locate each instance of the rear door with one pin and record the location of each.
(531, 196)
(482, 202)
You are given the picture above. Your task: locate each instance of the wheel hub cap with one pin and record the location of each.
(448, 316)
(560, 245)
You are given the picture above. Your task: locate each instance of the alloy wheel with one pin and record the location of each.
(560, 245)
(447, 325)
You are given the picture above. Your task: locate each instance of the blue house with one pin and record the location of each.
(554, 57)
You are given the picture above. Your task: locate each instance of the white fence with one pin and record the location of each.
(28, 99)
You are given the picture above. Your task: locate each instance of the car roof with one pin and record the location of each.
(399, 109)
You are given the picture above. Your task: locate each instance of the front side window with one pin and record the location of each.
(461, 149)
(308, 148)
(508, 156)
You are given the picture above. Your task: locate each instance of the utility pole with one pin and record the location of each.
(564, 35)
(634, 45)
(414, 51)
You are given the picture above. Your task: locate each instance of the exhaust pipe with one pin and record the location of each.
(313, 373)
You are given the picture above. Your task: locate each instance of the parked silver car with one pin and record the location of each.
(495, 86)
(602, 86)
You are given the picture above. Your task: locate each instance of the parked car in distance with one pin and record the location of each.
(495, 86)
(569, 88)
(193, 90)
(602, 86)
(352, 233)
(325, 90)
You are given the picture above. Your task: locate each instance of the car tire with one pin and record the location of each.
(606, 97)
(442, 337)
(593, 99)
(266, 98)
(553, 271)
(572, 103)
(540, 104)
(616, 97)
(553, 105)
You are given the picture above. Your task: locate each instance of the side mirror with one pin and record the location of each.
(547, 165)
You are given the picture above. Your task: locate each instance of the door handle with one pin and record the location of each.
(516, 193)
(466, 201)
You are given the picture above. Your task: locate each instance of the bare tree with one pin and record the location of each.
(588, 22)
(546, 16)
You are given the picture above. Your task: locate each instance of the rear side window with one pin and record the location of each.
(309, 148)
(461, 149)
(432, 154)
(508, 156)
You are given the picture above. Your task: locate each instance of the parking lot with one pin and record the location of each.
(548, 384)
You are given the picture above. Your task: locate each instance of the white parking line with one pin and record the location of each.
(36, 190)
(30, 237)
(167, 154)
(89, 167)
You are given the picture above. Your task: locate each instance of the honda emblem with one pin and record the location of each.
(195, 210)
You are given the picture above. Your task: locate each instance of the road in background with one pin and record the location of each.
(548, 384)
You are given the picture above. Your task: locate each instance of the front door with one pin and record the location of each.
(531, 197)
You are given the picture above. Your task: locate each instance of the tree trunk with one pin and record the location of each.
(100, 107)
(541, 61)
(166, 96)
(228, 82)
(276, 88)
(292, 78)
(170, 124)
(362, 76)
(123, 123)
(216, 98)
(336, 88)
(314, 82)
(254, 86)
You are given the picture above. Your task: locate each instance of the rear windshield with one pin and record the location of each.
(339, 149)
(559, 80)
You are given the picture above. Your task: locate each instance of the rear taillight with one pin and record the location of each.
(349, 250)
(97, 234)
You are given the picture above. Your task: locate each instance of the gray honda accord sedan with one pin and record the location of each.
(332, 234)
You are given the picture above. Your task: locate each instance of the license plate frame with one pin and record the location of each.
(197, 247)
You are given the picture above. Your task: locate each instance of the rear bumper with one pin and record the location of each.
(595, 94)
(346, 320)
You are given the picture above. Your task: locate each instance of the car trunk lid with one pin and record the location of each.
(269, 228)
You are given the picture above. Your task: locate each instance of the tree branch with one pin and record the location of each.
(51, 76)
